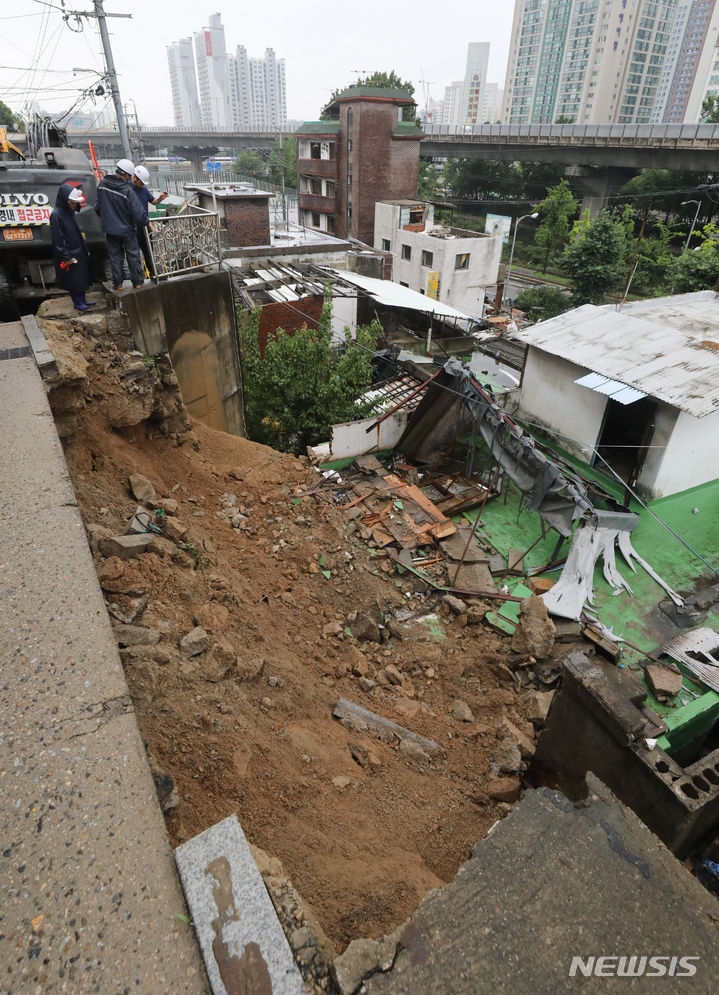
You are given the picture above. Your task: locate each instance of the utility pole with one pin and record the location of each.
(99, 13)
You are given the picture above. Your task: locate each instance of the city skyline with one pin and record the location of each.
(318, 58)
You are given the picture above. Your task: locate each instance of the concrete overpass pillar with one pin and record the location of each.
(595, 184)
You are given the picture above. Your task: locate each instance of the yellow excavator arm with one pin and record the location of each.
(7, 146)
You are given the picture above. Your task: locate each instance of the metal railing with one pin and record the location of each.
(184, 243)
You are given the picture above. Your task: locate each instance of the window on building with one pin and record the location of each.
(427, 258)
(315, 150)
(461, 261)
(331, 223)
(316, 187)
(406, 252)
(385, 245)
(403, 284)
(315, 219)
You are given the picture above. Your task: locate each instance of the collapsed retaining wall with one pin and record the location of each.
(193, 319)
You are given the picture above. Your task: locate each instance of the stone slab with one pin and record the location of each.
(129, 546)
(242, 941)
(356, 717)
(551, 882)
(41, 350)
(89, 894)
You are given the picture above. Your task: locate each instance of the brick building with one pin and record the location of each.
(363, 153)
(244, 213)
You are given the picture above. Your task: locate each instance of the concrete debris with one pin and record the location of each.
(195, 642)
(508, 759)
(342, 781)
(141, 489)
(461, 711)
(534, 634)
(414, 753)
(168, 505)
(524, 743)
(127, 547)
(665, 684)
(242, 941)
(355, 717)
(135, 635)
(175, 529)
(504, 789)
(537, 703)
(363, 958)
(365, 629)
(455, 605)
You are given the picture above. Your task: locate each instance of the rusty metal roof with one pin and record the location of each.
(667, 347)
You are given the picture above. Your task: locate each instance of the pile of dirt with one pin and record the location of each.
(273, 587)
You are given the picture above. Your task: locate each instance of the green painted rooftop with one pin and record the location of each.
(319, 128)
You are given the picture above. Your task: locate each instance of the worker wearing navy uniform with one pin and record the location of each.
(120, 214)
(69, 251)
(145, 196)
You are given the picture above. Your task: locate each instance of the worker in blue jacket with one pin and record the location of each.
(120, 214)
(69, 251)
(146, 197)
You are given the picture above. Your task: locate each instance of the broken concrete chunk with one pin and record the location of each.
(508, 759)
(414, 753)
(455, 605)
(233, 915)
(195, 642)
(360, 959)
(141, 489)
(534, 634)
(126, 547)
(538, 703)
(174, 529)
(365, 629)
(461, 711)
(525, 744)
(664, 683)
(168, 505)
(504, 789)
(135, 635)
(355, 717)
(213, 617)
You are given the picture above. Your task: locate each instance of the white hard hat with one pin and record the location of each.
(125, 166)
(142, 174)
(76, 196)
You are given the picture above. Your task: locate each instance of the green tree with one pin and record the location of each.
(580, 227)
(654, 260)
(555, 211)
(564, 119)
(386, 81)
(303, 384)
(9, 120)
(287, 156)
(597, 262)
(249, 162)
(428, 181)
(696, 269)
(710, 110)
(540, 303)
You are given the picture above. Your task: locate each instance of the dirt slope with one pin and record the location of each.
(246, 725)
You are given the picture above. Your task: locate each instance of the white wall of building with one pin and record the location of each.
(462, 288)
(691, 457)
(475, 82)
(549, 396)
(452, 103)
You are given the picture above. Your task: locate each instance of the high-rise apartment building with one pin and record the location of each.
(452, 103)
(475, 83)
(213, 75)
(690, 63)
(235, 91)
(587, 61)
(185, 103)
(492, 107)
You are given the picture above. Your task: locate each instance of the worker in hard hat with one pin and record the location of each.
(146, 197)
(120, 214)
(69, 251)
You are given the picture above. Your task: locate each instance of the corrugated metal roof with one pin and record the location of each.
(395, 295)
(612, 388)
(662, 347)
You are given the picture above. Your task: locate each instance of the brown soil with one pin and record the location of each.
(261, 741)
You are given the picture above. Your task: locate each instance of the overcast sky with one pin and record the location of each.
(324, 45)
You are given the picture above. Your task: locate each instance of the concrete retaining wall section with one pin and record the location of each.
(193, 319)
